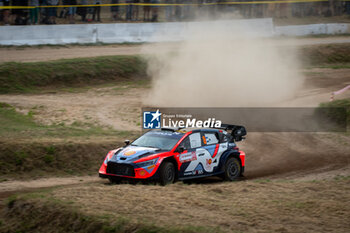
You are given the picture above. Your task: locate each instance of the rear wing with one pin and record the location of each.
(237, 132)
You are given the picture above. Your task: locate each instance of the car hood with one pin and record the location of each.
(133, 153)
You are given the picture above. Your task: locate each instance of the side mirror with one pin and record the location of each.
(180, 149)
(127, 142)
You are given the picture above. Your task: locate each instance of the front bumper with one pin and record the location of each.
(120, 169)
(127, 171)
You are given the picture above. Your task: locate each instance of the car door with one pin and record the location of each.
(188, 158)
(204, 149)
(208, 153)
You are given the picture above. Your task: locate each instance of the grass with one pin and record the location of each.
(336, 55)
(341, 178)
(68, 218)
(17, 125)
(324, 36)
(263, 181)
(54, 150)
(242, 207)
(33, 160)
(79, 72)
(336, 66)
(335, 110)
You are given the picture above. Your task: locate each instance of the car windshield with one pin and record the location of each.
(158, 139)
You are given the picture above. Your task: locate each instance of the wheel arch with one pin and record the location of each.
(226, 156)
(172, 160)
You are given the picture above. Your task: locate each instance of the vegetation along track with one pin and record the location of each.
(294, 182)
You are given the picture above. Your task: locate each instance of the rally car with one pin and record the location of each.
(170, 154)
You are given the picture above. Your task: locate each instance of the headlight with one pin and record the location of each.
(147, 163)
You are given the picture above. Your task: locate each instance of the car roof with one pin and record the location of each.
(186, 130)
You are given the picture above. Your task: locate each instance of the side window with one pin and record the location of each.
(223, 137)
(186, 144)
(195, 140)
(210, 138)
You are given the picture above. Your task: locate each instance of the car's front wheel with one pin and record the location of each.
(232, 169)
(167, 173)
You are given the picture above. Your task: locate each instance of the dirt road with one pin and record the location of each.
(46, 53)
(106, 105)
(102, 106)
(16, 185)
(304, 156)
(269, 156)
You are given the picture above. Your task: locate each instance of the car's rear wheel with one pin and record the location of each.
(232, 169)
(167, 173)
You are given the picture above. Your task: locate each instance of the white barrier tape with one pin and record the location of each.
(339, 92)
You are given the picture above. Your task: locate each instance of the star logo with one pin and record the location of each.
(151, 120)
(156, 115)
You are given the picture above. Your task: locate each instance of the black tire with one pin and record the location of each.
(167, 173)
(232, 169)
(114, 180)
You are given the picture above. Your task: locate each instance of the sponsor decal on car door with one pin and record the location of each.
(208, 156)
(192, 142)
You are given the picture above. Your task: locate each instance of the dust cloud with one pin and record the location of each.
(217, 67)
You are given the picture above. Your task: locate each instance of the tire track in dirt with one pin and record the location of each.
(288, 155)
(9, 188)
(276, 155)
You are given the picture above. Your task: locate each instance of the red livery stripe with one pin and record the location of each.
(216, 150)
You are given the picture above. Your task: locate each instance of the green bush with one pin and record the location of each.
(30, 77)
(335, 110)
